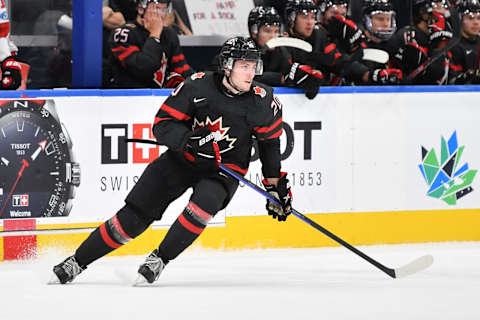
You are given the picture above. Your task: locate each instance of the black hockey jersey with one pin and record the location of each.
(411, 47)
(200, 101)
(464, 65)
(140, 61)
(325, 55)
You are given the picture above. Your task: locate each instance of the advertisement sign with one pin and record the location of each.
(64, 160)
(210, 17)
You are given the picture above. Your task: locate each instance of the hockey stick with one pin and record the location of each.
(406, 270)
(289, 42)
(421, 68)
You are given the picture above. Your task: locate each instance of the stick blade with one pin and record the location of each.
(289, 42)
(414, 266)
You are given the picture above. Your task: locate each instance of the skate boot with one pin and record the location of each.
(67, 270)
(151, 269)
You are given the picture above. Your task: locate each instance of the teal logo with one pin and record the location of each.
(447, 178)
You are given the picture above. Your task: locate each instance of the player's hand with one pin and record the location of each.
(389, 76)
(11, 74)
(304, 77)
(202, 150)
(440, 31)
(414, 55)
(346, 31)
(283, 194)
(153, 20)
(173, 80)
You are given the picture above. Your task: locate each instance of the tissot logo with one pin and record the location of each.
(116, 150)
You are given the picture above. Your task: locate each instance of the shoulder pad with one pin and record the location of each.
(261, 90)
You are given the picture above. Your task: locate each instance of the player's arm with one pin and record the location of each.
(268, 137)
(178, 68)
(172, 124)
(275, 182)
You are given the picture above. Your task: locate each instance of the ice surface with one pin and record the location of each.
(323, 283)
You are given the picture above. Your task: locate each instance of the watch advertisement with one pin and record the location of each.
(64, 160)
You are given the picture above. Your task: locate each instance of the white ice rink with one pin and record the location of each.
(325, 283)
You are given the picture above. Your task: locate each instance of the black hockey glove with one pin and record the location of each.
(11, 74)
(347, 32)
(440, 31)
(202, 150)
(283, 194)
(304, 77)
(389, 76)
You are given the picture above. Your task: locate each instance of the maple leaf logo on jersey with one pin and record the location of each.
(224, 141)
(260, 91)
(198, 75)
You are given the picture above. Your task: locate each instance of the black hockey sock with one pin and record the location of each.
(112, 234)
(188, 226)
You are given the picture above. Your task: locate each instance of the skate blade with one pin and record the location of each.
(141, 281)
(54, 279)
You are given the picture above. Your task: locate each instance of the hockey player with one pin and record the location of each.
(264, 24)
(379, 25)
(464, 66)
(146, 53)
(211, 117)
(351, 42)
(11, 77)
(427, 37)
(324, 60)
(449, 11)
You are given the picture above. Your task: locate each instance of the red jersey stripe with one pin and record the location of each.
(125, 52)
(4, 29)
(236, 168)
(178, 58)
(181, 69)
(276, 135)
(267, 129)
(174, 113)
(456, 67)
(330, 48)
(157, 120)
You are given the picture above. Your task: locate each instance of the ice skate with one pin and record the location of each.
(149, 271)
(66, 271)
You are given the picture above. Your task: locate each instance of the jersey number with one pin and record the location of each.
(3, 3)
(120, 35)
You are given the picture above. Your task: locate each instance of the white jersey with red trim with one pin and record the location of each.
(7, 47)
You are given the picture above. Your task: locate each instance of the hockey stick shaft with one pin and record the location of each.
(421, 68)
(302, 217)
(409, 269)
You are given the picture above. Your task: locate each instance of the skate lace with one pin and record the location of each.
(155, 264)
(72, 268)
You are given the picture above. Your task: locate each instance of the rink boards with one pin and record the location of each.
(354, 157)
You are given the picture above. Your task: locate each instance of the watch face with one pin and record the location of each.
(35, 165)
